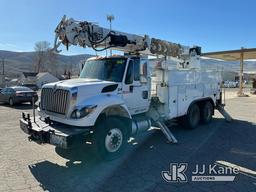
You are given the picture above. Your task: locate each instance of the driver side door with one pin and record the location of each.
(136, 87)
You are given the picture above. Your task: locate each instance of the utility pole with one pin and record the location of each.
(3, 75)
(3, 65)
(110, 18)
(241, 74)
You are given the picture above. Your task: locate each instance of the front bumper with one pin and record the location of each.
(46, 131)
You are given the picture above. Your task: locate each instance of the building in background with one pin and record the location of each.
(45, 77)
(229, 75)
(38, 79)
(28, 77)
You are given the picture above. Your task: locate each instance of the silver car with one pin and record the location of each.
(17, 94)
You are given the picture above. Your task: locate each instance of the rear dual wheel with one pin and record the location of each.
(196, 114)
(192, 118)
(206, 112)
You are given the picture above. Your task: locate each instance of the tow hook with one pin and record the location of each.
(47, 120)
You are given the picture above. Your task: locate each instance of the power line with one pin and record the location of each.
(3, 72)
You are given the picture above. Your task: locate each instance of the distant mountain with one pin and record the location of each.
(18, 62)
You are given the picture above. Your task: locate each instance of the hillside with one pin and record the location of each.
(18, 62)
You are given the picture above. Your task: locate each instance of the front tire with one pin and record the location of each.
(110, 138)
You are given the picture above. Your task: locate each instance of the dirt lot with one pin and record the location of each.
(27, 166)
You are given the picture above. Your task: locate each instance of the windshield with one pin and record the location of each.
(111, 69)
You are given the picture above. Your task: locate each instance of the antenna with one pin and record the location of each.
(110, 18)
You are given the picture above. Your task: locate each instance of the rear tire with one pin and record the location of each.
(11, 103)
(206, 112)
(191, 120)
(110, 138)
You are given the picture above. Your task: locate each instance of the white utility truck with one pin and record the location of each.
(118, 97)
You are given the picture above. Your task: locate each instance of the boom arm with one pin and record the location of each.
(87, 34)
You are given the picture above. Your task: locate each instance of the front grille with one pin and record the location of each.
(54, 100)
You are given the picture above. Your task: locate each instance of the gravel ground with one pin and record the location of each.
(27, 166)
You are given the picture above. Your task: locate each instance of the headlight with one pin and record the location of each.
(82, 112)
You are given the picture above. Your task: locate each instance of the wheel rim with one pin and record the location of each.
(113, 140)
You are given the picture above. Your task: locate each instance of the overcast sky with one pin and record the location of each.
(214, 25)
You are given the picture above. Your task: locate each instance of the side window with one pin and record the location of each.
(10, 91)
(129, 74)
(136, 69)
(143, 71)
(4, 91)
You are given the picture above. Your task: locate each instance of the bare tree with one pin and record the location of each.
(81, 65)
(52, 64)
(42, 49)
(71, 68)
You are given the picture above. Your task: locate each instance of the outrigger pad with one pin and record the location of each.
(224, 113)
(168, 134)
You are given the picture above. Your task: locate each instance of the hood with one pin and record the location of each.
(86, 87)
(77, 83)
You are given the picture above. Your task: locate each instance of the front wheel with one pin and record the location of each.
(110, 138)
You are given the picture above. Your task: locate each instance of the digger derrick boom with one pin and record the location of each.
(87, 34)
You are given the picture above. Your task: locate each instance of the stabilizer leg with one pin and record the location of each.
(223, 112)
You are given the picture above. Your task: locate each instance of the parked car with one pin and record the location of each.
(32, 86)
(230, 84)
(253, 91)
(17, 94)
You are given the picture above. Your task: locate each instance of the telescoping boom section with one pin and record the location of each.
(87, 34)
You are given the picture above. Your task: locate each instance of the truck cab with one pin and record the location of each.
(105, 103)
(130, 74)
(104, 82)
